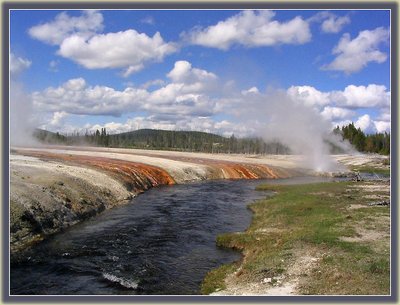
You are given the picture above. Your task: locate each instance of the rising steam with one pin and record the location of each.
(275, 116)
(22, 119)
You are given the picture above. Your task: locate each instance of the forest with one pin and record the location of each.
(370, 143)
(196, 141)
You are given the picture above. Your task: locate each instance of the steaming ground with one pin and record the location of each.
(336, 163)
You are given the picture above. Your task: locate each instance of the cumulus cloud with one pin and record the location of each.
(223, 127)
(352, 96)
(79, 39)
(58, 117)
(368, 125)
(252, 90)
(128, 49)
(308, 95)
(251, 29)
(334, 24)
(18, 64)
(334, 113)
(362, 96)
(382, 126)
(385, 115)
(186, 94)
(63, 26)
(184, 73)
(365, 123)
(76, 97)
(352, 55)
(330, 22)
(152, 83)
(190, 99)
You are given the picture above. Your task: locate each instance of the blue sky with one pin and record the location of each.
(200, 70)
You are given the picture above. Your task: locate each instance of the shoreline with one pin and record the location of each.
(283, 258)
(51, 190)
(105, 181)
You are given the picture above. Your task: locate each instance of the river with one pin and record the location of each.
(162, 243)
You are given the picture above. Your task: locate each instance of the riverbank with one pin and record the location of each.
(55, 187)
(316, 239)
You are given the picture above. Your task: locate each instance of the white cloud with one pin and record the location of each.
(362, 96)
(224, 127)
(341, 123)
(18, 64)
(128, 49)
(190, 98)
(333, 113)
(252, 29)
(355, 54)
(308, 95)
(334, 24)
(151, 83)
(76, 97)
(80, 40)
(368, 125)
(252, 90)
(187, 94)
(58, 118)
(382, 126)
(365, 123)
(385, 115)
(184, 73)
(63, 26)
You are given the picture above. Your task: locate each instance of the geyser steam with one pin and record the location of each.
(275, 116)
(22, 118)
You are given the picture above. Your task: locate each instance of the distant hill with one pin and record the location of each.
(168, 139)
(195, 141)
(48, 137)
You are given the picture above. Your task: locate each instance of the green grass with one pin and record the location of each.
(371, 169)
(312, 216)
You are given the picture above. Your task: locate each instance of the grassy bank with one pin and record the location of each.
(371, 170)
(319, 238)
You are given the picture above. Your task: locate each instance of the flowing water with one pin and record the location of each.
(162, 243)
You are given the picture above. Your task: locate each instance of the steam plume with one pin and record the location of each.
(275, 116)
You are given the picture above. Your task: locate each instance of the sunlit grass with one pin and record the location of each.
(314, 216)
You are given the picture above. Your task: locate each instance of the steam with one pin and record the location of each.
(22, 118)
(22, 121)
(276, 116)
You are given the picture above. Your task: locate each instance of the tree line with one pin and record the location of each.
(192, 141)
(196, 141)
(372, 143)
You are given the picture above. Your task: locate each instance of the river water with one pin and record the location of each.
(162, 243)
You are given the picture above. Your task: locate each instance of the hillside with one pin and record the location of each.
(194, 141)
